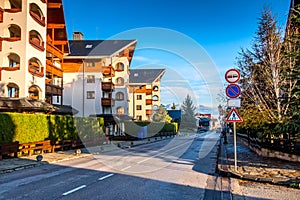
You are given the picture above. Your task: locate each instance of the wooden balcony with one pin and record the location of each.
(32, 68)
(11, 39)
(53, 89)
(40, 20)
(37, 44)
(17, 67)
(1, 15)
(148, 112)
(107, 86)
(148, 91)
(52, 69)
(148, 101)
(107, 102)
(54, 50)
(108, 71)
(13, 10)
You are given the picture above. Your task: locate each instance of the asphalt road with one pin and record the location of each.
(179, 168)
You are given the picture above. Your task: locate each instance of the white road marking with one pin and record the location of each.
(125, 168)
(104, 177)
(162, 152)
(74, 190)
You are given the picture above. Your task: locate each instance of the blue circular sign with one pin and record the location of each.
(233, 91)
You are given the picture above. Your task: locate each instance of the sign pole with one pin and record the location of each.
(235, 152)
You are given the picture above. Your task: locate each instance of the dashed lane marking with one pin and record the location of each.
(104, 177)
(74, 190)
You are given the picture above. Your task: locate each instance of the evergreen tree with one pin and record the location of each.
(188, 120)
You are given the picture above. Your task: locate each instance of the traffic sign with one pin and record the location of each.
(234, 116)
(233, 90)
(232, 76)
(234, 103)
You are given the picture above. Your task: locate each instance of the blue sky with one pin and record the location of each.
(195, 40)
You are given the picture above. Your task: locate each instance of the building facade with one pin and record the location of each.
(144, 92)
(96, 75)
(33, 40)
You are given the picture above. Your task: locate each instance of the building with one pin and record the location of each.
(144, 91)
(33, 39)
(96, 75)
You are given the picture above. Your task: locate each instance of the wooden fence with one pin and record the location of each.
(14, 149)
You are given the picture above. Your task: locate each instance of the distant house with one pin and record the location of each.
(175, 115)
(144, 92)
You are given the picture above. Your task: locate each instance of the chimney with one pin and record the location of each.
(77, 35)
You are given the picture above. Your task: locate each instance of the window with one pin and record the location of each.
(119, 96)
(139, 97)
(120, 81)
(88, 46)
(139, 117)
(119, 66)
(90, 94)
(155, 98)
(138, 107)
(120, 110)
(13, 90)
(155, 88)
(90, 79)
(90, 64)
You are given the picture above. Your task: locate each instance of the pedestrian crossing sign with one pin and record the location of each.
(234, 116)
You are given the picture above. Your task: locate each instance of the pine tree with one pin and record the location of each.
(188, 120)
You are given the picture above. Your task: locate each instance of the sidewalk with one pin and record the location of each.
(254, 167)
(14, 164)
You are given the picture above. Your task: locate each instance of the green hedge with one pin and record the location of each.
(37, 127)
(153, 128)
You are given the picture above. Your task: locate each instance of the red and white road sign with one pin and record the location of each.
(232, 76)
(234, 116)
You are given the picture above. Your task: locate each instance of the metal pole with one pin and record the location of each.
(235, 153)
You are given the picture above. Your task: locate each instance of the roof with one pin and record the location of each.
(24, 104)
(32, 105)
(97, 48)
(175, 114)
(145, 75)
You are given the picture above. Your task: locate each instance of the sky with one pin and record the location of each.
(196, 41)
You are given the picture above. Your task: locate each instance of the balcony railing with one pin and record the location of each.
(37, 44)
(32, 68)
(15, 68)
(107, 86)
(148, 101)
(54, 50)
(148, 112)
(13, 10)
(148, 91)
(53, 89)
(52, 69)
(40, 20)
(11, 39)
(1, 14)
(108, 71)
(107, 102)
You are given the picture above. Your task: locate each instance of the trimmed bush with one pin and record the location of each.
(38, 127)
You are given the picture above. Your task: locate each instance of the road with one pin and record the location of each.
(182, 167)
